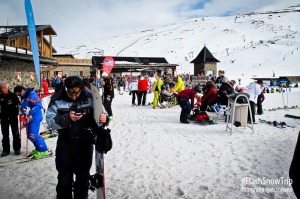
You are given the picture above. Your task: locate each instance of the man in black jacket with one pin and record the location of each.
(9, 102)
(294, 169)
(71, 113)
(108, 94)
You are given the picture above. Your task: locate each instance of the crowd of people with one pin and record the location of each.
(215, 91)
(70, 112)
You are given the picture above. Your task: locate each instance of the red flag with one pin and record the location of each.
(108, 64)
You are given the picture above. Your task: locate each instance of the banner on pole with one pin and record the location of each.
(33, 39)
(108, 64)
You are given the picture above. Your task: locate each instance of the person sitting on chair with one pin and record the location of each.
(225, 90)
(210, 95)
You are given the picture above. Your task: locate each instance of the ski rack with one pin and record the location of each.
(232, 104)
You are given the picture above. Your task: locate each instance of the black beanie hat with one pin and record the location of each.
(18, 89)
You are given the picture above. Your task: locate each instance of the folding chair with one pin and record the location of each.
(219, 110)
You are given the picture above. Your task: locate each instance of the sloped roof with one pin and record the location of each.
(13, 32)
(290, 78)
(204, 56)
(97, 60)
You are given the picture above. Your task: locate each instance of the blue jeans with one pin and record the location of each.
(185, 108)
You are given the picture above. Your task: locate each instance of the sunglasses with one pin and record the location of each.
(73, 91)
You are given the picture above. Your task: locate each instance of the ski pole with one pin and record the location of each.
(20, 131)
(103, 171)
(283, 99)
(26, 141)
(287, 99)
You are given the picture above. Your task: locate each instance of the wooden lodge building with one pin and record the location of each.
(205, 62)
(16, 61)
(136, 65)
(17, 66)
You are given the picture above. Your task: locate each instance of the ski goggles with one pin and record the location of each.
(73, 91)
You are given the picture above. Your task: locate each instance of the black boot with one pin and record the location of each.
(5, 153)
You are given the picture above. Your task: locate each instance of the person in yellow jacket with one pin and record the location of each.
(179, 85)
(156, 90)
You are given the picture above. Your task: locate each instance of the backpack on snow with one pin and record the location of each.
(201, 116)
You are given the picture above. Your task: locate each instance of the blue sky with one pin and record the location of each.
(80, 21)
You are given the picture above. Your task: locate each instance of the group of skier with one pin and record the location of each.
(70, 112)
(31, 108)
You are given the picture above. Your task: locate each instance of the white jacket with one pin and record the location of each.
(133, 86)
(253, 90)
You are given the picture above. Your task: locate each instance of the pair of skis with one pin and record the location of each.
(48, 134)
(24, 159)
(292, 116)
(277, 124)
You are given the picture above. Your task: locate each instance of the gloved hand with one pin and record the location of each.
(108, 98)
(26, 110)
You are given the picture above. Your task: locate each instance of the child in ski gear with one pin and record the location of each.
(9, 102)
(253, 89)
(108, 94)
(71, 113)
(31, 107)
(186, 106)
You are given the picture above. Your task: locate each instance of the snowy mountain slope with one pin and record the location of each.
(248, 45)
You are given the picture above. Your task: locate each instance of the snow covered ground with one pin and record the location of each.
(155, 156)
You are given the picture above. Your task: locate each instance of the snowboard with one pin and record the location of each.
(99, 156)
(292, 116)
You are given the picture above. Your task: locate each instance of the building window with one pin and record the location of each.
(76, 73)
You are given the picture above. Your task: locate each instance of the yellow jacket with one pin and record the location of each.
(157, 85)
(179, 85)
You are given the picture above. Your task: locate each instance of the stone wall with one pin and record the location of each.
(9, 69)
